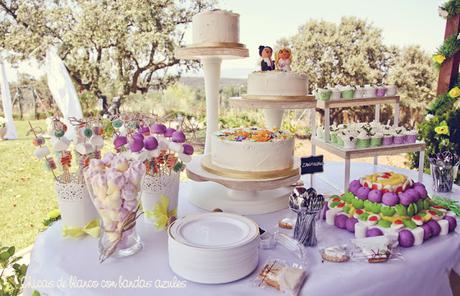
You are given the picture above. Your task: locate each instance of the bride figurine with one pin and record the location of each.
(266, 64)
(283, 59)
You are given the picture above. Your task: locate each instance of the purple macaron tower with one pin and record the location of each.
(390, 204)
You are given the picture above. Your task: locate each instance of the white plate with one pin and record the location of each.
(214, 230)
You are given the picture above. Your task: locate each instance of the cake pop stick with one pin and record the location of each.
(40, 141)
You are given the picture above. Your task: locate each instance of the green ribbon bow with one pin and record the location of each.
(92, 228)
(160, 213)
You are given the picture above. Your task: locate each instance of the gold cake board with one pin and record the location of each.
(223, 50)
(279, 98)
(214, 169)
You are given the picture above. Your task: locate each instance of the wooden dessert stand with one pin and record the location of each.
(243, 196)
(348, 154)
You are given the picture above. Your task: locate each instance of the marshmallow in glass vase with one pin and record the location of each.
(114, 184)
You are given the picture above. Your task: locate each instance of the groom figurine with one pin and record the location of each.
(267, 63)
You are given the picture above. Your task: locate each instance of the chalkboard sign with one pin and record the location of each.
(312, 164)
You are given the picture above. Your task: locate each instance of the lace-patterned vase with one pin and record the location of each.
(74, 202)
(153, 187)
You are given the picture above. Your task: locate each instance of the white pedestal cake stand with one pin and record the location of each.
(211, 57)
(274, 107)
(243, 196)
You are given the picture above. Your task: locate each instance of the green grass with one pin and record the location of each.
(26, 189)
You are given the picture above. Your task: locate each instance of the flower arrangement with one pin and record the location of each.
(253, 135)
(449, 9)
(440, 129)
(447, 50)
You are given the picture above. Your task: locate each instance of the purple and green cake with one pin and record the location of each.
(389, 203)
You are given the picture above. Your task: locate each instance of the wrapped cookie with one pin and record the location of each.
(281, 276)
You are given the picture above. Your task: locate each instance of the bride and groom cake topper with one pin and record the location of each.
(283, 58)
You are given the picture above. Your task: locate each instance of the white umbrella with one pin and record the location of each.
(62, 89)
(7, 106)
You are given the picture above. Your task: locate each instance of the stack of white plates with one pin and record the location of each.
(213, 248)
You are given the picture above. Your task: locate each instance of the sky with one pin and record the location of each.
(404, 22)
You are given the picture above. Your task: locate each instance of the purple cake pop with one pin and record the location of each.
(178, 137)
(144, 130)
(150, 143)
(158, 128)
(406, 238)
(120, 141)
(169, 132)
(188, 149)
(375, 196)
(374, 232)
(136, 145)
(414, 194)
(362, 193)
(137, 137)
(390, 198)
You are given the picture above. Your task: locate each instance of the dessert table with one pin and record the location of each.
(60, 266)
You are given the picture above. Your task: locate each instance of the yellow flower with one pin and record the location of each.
(454, 92)
(53, 214)
(439, 58)
(442, 129)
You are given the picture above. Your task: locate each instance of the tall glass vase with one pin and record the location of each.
(443, 177)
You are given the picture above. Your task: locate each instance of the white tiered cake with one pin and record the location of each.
(253, 150)
(216, 27)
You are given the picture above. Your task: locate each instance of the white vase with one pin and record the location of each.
(74, 202)
(153, 187)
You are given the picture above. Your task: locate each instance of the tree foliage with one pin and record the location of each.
(127, 43)
(415, 78)
(353, 52)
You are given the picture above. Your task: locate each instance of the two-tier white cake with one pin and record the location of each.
(216, 27)
(277, 83)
